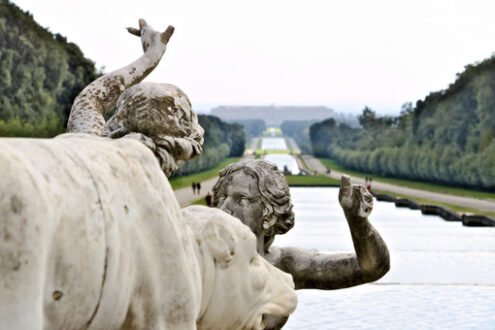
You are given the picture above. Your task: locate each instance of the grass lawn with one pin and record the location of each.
(199, 201)
(456, 208)
(272, 131)
(308, 180)
(332, 164)
(275, 151)
(186, 181)
(303, 162)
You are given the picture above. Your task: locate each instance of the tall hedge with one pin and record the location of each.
(40, 75)
(448, 138)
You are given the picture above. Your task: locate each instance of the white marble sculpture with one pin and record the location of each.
(93, 237)
(100, 97)
(161, 117)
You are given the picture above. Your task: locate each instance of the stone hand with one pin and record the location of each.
(355, 199)
(164, 37)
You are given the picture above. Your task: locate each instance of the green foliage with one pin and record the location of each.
(369, 120)
(199, 201)
(221, 140)
(186, 181)
(444, 189)
(447, 138)
(40, 75)
(259, 144)
(252, 127)
(299, 131)
(272, 131)
(321, 135)
(309, 180)
(271, 151)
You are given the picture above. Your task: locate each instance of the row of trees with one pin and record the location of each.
(40, 75)
(449, 137)
(221, 140)
(252, 127)
(299, 131)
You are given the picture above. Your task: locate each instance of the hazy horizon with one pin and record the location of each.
(343, 55)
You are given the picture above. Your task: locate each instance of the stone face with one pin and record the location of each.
(162, 118)
(155, 109)
(93, 237)
(241, 276)
(158, 115)
(258, 194)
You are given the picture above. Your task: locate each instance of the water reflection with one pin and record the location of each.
(442, 274)
(273, 144)
(284, 160)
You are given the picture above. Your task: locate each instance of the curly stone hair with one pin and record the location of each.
(161, 117)
(278, 216)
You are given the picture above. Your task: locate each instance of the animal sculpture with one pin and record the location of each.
(92, 237)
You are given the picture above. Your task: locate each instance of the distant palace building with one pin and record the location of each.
(272, 115)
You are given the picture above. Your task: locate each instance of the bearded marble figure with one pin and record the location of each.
(92, 236)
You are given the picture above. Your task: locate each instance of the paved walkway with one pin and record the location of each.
(185, 196)
(293, 145)
(252, 146)
(474, 203)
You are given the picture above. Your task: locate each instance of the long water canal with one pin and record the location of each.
(442, 274)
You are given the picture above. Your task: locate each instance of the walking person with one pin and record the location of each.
(198, 187)
(194, 188)
(208, 198)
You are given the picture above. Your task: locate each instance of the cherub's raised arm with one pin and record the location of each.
(101, 96)
(313, 270)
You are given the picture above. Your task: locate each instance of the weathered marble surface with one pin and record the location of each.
(241, 277)
(92, 237)
(160, 116)
(258, 194)
(101, 95)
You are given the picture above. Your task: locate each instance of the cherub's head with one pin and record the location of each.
(160, 116)
(255, 192)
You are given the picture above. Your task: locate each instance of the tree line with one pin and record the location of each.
(299, 131)
(252, 127)
(40, 75)
(221, 140)
(447, 138)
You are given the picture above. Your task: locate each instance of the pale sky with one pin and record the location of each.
(342, 54)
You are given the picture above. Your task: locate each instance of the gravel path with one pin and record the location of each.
(474, 203)
(185, 196)
(293, 145)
